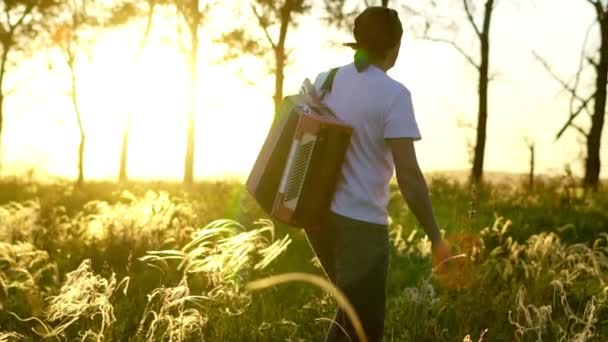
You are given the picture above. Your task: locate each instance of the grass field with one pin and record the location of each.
(154, 262)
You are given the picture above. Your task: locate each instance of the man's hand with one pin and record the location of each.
(441, 257)
(451, 271)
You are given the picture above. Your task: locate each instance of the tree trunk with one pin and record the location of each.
(189, 161)
(279, 79)
(482, 118)
(279, 54)
(2, 73)
(80, 180)
(74, 96)
(122, 174)
(592, 163)
(531, 174)
(190, 139)
(1, 122)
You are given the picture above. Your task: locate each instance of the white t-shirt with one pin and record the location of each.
(377, 107)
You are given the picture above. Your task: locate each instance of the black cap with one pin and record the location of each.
(377, 29)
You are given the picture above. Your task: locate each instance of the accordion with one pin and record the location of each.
(295, 174)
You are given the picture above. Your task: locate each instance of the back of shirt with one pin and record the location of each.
(378, 108)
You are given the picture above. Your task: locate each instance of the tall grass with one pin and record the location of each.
(10, 337)
(173, 314)
(140, 265)
(26, 276)
(19, 221)
(322, 283)
(83, 305)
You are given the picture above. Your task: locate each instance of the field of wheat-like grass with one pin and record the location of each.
(157, 262)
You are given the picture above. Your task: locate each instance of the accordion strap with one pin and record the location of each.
(329, 83)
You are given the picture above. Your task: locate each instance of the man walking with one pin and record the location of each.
(353, 244)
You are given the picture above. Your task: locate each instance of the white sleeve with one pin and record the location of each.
(399, 119)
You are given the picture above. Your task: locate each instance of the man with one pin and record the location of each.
(353, 244)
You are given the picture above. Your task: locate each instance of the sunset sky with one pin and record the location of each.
(235, 99)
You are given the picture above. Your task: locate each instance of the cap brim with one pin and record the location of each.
(352, 45)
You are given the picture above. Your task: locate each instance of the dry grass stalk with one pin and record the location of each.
(320, 282)
(173, 314)
(84, 296)
(10, 337)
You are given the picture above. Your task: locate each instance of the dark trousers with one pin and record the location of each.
(355, 256)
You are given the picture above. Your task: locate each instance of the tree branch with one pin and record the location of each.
(573, 116)
(264, 27)
(457, 47)
(27, 11)
(592, 61)
(583, 105)
(563, 83)
(144, 39)
(470, 17)
(579, 129)
(598, 7)
(574, 97)
(579, 72)
(180, 32)
(7, 15)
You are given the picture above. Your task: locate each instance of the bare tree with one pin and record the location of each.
(283, 16)
(483, 34)
(480, 22)
(478, 15)
(72, 35)
(192, 12)
(269, 15)
(532, 148)
(123, 13)
(580, 103)
(21, 21)
(124, 149)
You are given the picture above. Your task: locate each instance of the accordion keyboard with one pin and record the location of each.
(297, 169)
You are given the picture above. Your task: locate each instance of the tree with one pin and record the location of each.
(280, 15)
(531, 145)
(71, 35)
(192, 14)
(21, 21)
(483, 35)
(479, 18)
(581, 103)
(480, 22)
(123, 13)
(283, 16)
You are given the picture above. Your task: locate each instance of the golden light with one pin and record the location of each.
(232, 117)
(458, 271)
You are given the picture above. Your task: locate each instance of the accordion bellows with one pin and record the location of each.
(295, 175)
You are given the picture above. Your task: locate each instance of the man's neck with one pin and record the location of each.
(381, 65)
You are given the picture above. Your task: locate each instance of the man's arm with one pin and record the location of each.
(413, 186)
